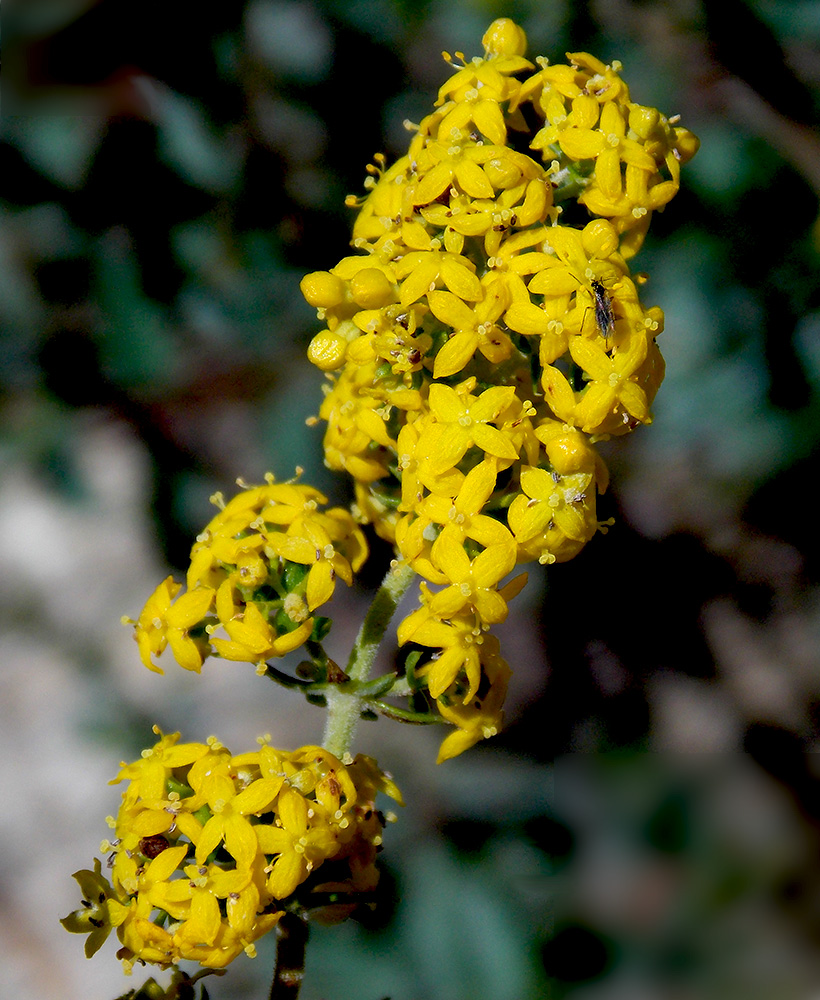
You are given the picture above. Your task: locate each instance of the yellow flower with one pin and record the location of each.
(475, 328)
(229, 822)
(251, 636)
(459, 640)
(421, 271)
(554, 516)
(464, 420)
(204, 890)
(416, 466)
(460, 514)
(312, 541)
(479, 718)
(301, 843)
(229, 942)
(613, 386)
(100, 911)
(356, 431)
(472, 582)
(149, 774)
(164, 623)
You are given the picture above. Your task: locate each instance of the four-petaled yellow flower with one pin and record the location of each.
(462, 421)
(298, 844)
(164, 622)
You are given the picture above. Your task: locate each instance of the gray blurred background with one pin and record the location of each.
(648, 825)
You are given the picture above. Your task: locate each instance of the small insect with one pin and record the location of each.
(604, 316)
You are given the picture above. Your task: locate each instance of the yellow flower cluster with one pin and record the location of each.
(258, 571)
(477, 346)
(209, 848)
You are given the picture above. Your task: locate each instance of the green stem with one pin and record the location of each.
(344, 708)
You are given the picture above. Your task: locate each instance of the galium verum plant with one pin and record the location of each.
(483, 337)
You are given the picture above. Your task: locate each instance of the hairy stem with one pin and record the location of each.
(344, 708)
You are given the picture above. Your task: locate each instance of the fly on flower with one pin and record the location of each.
(604, 316)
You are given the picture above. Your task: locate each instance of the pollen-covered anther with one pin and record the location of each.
(295, 607)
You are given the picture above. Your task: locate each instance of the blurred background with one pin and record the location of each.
(648, 825)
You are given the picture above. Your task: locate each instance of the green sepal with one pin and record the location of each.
(203, 814)
(293, 574)
(410, 664)
(175, 785)
(321, 628)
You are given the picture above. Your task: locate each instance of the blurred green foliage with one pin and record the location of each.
(169, 173)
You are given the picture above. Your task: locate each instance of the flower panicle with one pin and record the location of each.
(260, 569)
(487, 332)
(210, 848)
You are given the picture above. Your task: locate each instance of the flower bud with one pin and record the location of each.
(322, 289)
(504, 38)
(327, 350)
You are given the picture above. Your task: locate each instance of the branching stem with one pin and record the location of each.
(344, 708)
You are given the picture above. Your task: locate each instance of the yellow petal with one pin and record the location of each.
(240, 840)
(536, 203)
(451, 310)
(320, 584)
(591, 358)
(494, 442)
(455, 354)
(204, 921)
(493, 564)
(258, 796)
(185, 650)
(461, 280)
(288, 871)
(472, 180)
(435, 182)
(289, 641)
(581, 143)
(489, 118)
(527, 318)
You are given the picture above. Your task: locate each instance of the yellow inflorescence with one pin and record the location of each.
(258, 571)
(487, 333)
(209, 848)
(482, 339)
